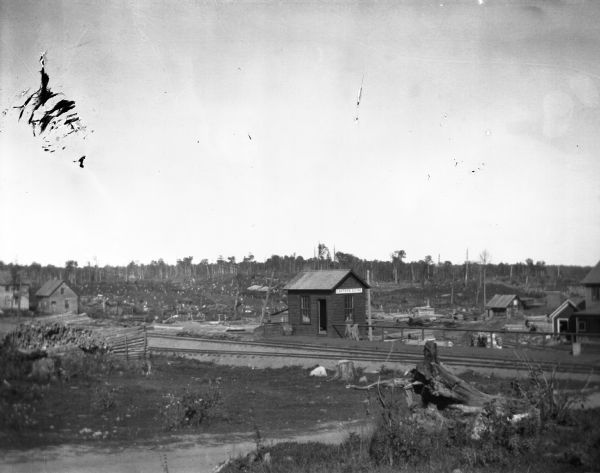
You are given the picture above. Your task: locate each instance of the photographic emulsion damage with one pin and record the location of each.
(258, 236)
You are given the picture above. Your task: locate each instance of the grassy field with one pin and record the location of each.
(101, 401)
(105, 401)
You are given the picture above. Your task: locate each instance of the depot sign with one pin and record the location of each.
(354, 290)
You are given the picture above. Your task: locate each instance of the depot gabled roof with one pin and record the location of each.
(593, 277)
(321, 280)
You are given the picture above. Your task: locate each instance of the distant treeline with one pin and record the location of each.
(396, 269)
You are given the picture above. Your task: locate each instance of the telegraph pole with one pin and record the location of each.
(369, 306)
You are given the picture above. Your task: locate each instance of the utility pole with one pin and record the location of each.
(369, 306)
(467, 268)
(266, 301)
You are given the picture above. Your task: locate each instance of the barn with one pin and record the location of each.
(322, 302)
(56, 297)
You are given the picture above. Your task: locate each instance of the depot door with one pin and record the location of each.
(322, 316)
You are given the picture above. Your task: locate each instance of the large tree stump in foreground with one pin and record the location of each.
(442, 388)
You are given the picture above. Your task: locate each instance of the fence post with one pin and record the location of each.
(126, 349)
(423, 334)
(382, 334)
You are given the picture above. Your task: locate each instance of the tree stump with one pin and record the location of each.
(440, 386)
(345, 370)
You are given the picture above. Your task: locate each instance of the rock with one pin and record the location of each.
(319, 372)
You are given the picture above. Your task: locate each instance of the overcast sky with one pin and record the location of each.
(229, 128)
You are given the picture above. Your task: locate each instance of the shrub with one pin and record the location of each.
(545, 392)
(191, 407)
(16, 415)
(104, 397)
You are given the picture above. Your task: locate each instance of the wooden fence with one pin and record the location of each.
(127, 342)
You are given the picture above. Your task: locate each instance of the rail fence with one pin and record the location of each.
(466, 337)
(127, 342)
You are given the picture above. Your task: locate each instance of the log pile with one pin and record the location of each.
(126, 342)
(37, 336)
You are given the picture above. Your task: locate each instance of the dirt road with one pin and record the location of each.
(194, 453)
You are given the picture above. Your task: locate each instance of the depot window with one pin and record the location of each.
(305, 309)
(349, 308)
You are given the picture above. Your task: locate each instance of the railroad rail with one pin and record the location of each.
(191, 346)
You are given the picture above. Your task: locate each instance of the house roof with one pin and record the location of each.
(574, 302)
(322, 280)
(500, 301)
(49, 287)
(6, 278)
(593, 277)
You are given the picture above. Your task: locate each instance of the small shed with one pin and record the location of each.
(57, 297)
(320, 302)
(504, 305)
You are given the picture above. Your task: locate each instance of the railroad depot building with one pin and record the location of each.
(56, 297)
(322, 302)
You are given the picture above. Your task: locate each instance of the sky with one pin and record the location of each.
(229, 128)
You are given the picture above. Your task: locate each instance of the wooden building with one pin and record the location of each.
(56, 297)
(588, 320)
(504, 305)
(320, 300)
(561, 316)
(14, 292)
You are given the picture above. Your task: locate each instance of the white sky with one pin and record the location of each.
(172, 89)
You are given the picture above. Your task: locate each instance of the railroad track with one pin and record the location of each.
(160, 343)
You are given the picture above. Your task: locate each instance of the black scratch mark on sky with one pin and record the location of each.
(359, 98)
(80, 161)
(47, 111)
(249, 137)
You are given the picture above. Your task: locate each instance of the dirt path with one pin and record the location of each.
(198, 454)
